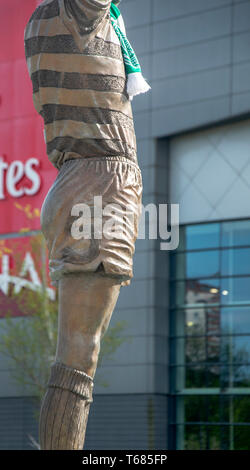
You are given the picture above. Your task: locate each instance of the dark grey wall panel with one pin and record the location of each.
(146, 152)
(241, 13)
(193, 87)
(143, 101)
(198, 80)
(136, 13)
(140, 38)
(192, 58)
(115, 422)
(241, 74)
(241, 47)
(167, 121)
(191, 29)
(127, 422)
(142, 124)
(174, 8)
(17, 422)
(146, 289)
(241, 103)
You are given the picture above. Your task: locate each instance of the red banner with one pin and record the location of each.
(23, 266)
(25, 171)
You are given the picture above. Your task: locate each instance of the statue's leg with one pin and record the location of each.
(86, 303)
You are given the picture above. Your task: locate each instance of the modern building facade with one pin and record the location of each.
(181, 377)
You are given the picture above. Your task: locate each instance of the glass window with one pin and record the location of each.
(195, 320)
(241, 409)
(235, 290)
(235, 320)
(202, 236)
(235, 233)
(199, 422)
(195, 264)
(210, 337)
(197, 291)
(235, 261)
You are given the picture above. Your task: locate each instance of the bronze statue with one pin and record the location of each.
(80, 88)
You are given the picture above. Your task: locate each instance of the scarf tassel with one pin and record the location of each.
(136, 84)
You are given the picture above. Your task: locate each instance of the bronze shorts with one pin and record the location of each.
(119, 182)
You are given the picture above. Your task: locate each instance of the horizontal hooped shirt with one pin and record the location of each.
(76, 66)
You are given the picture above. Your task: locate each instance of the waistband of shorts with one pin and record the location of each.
(119, 158)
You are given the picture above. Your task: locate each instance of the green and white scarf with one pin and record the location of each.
(136, 83)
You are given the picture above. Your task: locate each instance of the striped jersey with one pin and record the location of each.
(77, 71)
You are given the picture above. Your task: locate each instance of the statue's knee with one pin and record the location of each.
(80, 349)
(91, 349)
